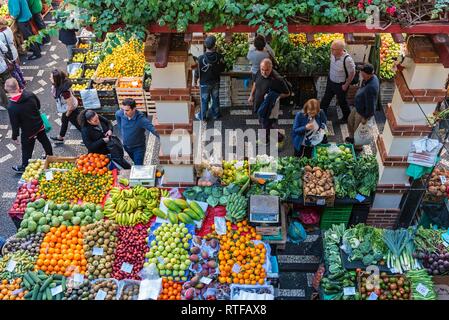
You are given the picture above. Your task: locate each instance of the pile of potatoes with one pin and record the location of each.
(318, 182)
(436, 186)
(101, 234)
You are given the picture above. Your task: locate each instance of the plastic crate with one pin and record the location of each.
(327, 145)
(337, 215)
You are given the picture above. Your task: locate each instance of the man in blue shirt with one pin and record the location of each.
(132, 124)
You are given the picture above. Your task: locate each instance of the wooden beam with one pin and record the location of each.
(398, 37)
(429, 28)
(162, 50)
(349, 38)
(440, 38)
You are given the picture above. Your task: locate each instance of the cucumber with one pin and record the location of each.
(58, 296)
(48, 294)
(63, 283)
(42, 277)
(35, 293)
(28, 279)
(35, 277)
(46, 283)
(28, 295)
(57, 276)
(26, 283)
(41, 273)
(40, 294)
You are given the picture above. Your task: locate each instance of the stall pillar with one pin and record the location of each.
(171, 93)
(421, 81)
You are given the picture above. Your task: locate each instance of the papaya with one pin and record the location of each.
(181, 203)
(185, 218)
(172, 217)
(192, 214)
(159, 213)
(196, 207)
(170, 204)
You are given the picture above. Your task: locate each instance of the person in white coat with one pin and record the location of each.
(7, 37)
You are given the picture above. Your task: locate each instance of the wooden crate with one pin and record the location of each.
(108, 98)
(53, 159)
(361, 274)
(137, 94)
(312, 200)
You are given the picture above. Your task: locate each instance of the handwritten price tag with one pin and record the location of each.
(205, 280)
(349, 291)
(372, 296)
(56, 290)
(16, 292)
(236, 268)
(321, 202)
(443, 179)
(422, 289)
(97, 251)
(78, 277)
(49, 175)
(11, 265)
(127, 267)
(100, 295)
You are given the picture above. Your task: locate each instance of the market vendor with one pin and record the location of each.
(267, 88)
(309, 128)
(365, 100)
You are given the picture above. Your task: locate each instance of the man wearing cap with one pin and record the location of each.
(210, 66)
(341, 74)
(365, 100)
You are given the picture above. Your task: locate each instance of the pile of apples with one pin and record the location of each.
(28, 192)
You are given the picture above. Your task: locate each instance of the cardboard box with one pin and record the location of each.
(441, 286)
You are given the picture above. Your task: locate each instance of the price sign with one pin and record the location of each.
(100, 295)
(56, 290)
(321, 202)
(127, 267)
(49, 175)
(422, 289)
(443, 179)
(349, 291)
(78, 277)
(372, 296)
(11, 265)
(360, 198)
(97, 251)
(445, 244)
(111, 66)
(16, 292)
(205, 280)
(236, 268)
(46, 208)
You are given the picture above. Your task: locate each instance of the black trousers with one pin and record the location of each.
(25, 29)
(72, 118)
(304, 151)
(334, 89)
(28, 146)
(40, 24)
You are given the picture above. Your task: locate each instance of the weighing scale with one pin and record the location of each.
(143, 175)
(264, 214)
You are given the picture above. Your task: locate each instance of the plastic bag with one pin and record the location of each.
(364, 134)
(90, 99)
(296, 232)
(128, 289)
(208, 176)
(151, 285)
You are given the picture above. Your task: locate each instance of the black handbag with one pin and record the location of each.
(115, 148)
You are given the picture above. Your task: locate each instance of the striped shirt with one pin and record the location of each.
(337, 71)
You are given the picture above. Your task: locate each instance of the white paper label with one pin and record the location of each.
(46, 208)
(127, 267)
(349, 291)
(111, 66)
(373, 296)
(49, 175)
(236, 268)
(220, 225)
(205, 280)
(11, 265)
(100, 295)
(56, 290)
(239, 164)
(445, 244)
(321, 202)
(443, 179)
(422, 289)
(16, 292)
(78, 277)
(97, 251)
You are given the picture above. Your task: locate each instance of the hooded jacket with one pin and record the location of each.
(210, 66)
(24, 114)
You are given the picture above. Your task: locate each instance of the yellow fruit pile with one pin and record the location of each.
(89, 73)
(127, 60)
(79, 86)
(323, 39)
(298, 39)
(77, 74)
(389, 52)
(92, 57)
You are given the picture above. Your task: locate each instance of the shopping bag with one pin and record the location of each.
(90, 99)
(47, 124)
(364, 134)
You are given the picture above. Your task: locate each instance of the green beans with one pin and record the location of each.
(422, 285)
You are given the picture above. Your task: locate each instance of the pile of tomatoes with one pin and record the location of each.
(92, 163)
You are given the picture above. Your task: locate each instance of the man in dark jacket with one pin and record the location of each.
(268, 86)
(365, 101)
(24, 115)
(210, 66)
(132, 125)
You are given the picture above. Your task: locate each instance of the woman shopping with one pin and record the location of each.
(309, 128)
(66, 103)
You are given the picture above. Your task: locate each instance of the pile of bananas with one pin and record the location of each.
(324, 39)
(129, 207)
(236, 208)
(79, 86)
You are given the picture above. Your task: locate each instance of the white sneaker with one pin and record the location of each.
(2, 108)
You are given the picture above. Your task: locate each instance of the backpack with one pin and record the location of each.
(357, 73)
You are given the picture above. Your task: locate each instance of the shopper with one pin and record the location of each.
(365, 100)
(36, 11)
(210, 66)
(68, 38)
(341, 74)
(25, 117)
(19, 10)
(96, 131)
(7, 37)
(132, 125)
(308, 128)
(257, 52)
(267, 88)
(4, 75)
(66, 103)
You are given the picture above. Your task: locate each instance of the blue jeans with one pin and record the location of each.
(206, 92)
(267, 104)
(137, 154)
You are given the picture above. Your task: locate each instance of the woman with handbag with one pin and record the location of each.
(4, 75)
(309, 128)
(66, 103)
(11, 54)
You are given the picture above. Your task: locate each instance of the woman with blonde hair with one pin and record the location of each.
(309, 128)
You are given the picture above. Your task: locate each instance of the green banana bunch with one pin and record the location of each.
(236, 208)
